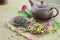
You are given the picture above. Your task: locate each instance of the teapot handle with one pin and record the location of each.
(56, 11)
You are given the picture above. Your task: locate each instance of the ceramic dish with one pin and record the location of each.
(19, 20)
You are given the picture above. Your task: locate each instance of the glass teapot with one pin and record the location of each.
(42, 11)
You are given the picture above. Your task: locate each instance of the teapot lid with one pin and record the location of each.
(42, 4)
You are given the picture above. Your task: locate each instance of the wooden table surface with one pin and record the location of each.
(7, 12)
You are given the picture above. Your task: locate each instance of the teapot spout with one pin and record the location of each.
(31, 2)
